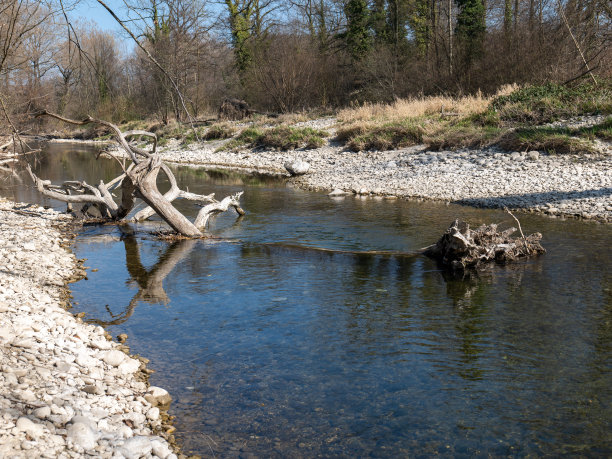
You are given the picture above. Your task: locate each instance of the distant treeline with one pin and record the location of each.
(289, 55)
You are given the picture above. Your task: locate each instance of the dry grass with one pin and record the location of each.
(403, 109)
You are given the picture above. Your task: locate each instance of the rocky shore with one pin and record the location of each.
(66, 389)
(571, 185)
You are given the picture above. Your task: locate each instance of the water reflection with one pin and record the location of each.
(149, 281)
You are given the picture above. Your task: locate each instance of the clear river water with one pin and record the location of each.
(272, 348)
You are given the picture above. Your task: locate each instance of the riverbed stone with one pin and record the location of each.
(129, 366)
(42, 413)
(81, 434)
(26, 425)
(297, 167)
(160, 448)
(157, 396)
(114, 357)
(136, 447)
(533, 155)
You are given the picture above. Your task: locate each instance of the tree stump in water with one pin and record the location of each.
(461, 247)
(234, 109)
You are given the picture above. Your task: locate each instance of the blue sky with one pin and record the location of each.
(91, 10)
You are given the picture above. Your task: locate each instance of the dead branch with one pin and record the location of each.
(172, 194)
(569, 29)
(6, 145)
(217, 207)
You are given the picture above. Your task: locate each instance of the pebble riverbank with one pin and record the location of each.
(571, 185)
(66, 389)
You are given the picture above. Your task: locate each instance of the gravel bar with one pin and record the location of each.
(572, 185)
(66, 389)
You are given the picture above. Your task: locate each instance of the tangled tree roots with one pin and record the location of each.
(461, 247)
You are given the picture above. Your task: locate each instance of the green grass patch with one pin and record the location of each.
(345, 134)
(288, 138)
(551, 140)
(384, 137)
(247, 137)
(219, 132)
(108, 136)
(135, 125)
(191, 135)
(463, 133)
(558, 139)
(551, 102)
(279, 138)
(602, 131)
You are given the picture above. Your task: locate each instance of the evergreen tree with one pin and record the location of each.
(398, 13)
(471, 27)
(357, 35)
(420, 23)
(378, 21)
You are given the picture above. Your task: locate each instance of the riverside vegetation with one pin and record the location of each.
(536, 148)
(515, 118)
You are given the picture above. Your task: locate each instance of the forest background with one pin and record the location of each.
(287, 55)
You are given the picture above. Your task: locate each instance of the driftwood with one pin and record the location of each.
(234, 109)
(139, 180)
(237, 109)
(460, 247)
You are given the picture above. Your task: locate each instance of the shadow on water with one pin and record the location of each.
(277, 339)
(546, 197)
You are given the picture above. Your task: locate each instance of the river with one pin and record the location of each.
(273, 348)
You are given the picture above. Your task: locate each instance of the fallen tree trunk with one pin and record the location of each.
(139, 180)
(461, 248)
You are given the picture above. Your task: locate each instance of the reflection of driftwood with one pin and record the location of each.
(461, 247)
(150, 282)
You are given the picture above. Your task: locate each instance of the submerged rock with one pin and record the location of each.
(157, 396)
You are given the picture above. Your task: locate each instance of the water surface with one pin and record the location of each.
(273, 349)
